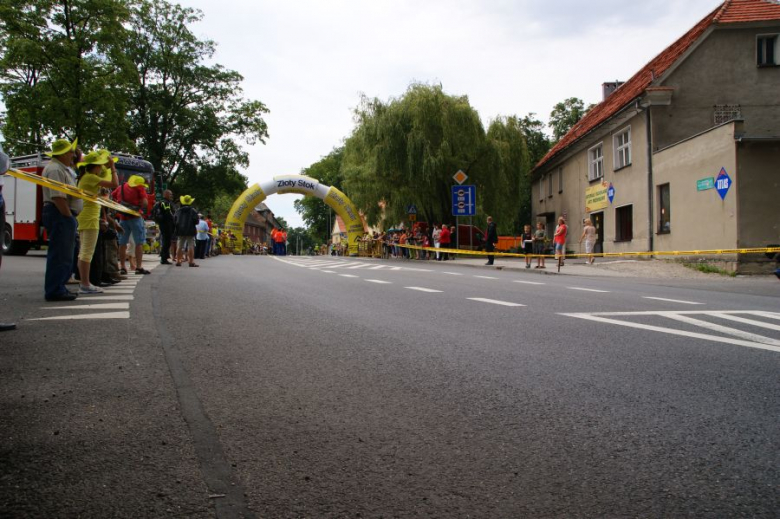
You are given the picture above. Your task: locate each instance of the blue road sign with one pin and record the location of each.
(464, 200)
(722, 183)
(411, 209)
(611, 193)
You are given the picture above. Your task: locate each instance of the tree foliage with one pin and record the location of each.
(128, 75)
(185, 112)
(315, 213)
(405, 151)
(63, 72)
(538, 142)
(565, 115)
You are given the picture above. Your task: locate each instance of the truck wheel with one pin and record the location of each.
(14, 247)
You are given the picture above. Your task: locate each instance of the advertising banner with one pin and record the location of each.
(596, 197)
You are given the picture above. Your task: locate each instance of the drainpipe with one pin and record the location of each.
(648, 124)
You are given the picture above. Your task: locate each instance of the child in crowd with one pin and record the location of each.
(528, 245)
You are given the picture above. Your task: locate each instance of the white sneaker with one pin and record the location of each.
(91, 289)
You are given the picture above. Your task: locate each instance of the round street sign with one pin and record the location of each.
(461, 192)
(461, 205)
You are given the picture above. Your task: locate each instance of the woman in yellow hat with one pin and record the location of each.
(93, 176)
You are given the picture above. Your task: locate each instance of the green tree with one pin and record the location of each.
(506, 193)
(316, 214)
(187, 115)
(208, 182)
(63, 72)
(538, 142)
(565, 115)
(299, 238)
(405, 152)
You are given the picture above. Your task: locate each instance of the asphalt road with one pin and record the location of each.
(297, 387)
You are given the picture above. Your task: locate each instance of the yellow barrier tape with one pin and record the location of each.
(70, 190)
(713, 252)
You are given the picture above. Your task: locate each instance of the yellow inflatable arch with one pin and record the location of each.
(302, 185)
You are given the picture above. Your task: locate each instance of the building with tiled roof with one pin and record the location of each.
(646, 163)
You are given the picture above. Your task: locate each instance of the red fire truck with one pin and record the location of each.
(23, 199)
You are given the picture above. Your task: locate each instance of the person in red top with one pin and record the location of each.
(133, 195)
(444, 240)
(560, 239)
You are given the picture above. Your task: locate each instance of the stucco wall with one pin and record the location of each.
(630, 185)
(699, 219)
(722, 70)
(758, 193)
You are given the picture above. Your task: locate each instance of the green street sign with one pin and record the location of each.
(705, 184)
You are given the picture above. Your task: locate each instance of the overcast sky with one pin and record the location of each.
(309, 61)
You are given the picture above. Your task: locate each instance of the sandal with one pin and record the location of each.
(194, 265)
(142, 271)
(123, 272)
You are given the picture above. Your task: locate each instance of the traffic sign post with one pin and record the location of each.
(722, 183)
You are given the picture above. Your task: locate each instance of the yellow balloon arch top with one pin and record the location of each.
(302, 185)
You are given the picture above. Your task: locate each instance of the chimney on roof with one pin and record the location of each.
(608, 88)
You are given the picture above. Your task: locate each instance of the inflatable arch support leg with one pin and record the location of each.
(302, 185)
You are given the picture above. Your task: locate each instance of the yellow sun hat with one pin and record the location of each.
(91, 158)
(137, 180)
(186, 199)
(61, 146)
(108, 155)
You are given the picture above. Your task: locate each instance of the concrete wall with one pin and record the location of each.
(630, 185)
(722, 70)
(699, 219)
(758, 193)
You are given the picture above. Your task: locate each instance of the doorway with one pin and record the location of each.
(598, 223)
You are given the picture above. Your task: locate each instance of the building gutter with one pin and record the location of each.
(649, 131)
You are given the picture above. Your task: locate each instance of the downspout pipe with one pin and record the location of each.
(649, 139)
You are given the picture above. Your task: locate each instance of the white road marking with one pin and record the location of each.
(485, 277)
(381, 282)
(107, 315)
(99, 306)
(413, 269)
(599, 317)
(347, 276)
(421, 289)
(589, 290)
(723, 329)
(453, 273)
(770, 315)
(329, 271)
(109, 297)
(377, 267)
(527, 282)
(672, 300)
(358, 266)
(493, 301)
(759, 324)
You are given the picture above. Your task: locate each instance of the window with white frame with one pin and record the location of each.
(622, 146)
(767, 50)
(596, 162)
(560, 179)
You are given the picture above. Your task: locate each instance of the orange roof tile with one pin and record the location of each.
(731, 11)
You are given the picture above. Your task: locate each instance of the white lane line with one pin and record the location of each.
(347, 276)
(328, 271)
(672, 300)
(358, 266)
(485, 277)
(99, 306)
(381, 282)
(689, 312)
(413, 269)
(723, 329)
(493, 301)
(108, 297)
(671, 331)
(589, 290)
(421, 289)
(107, 315)
(759, 324)
(527, 282)
(452, 273)
(110, 292)
(378, 267)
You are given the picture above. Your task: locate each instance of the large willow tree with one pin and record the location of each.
(405, 151)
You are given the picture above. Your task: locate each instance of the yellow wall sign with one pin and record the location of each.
(596, 197)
